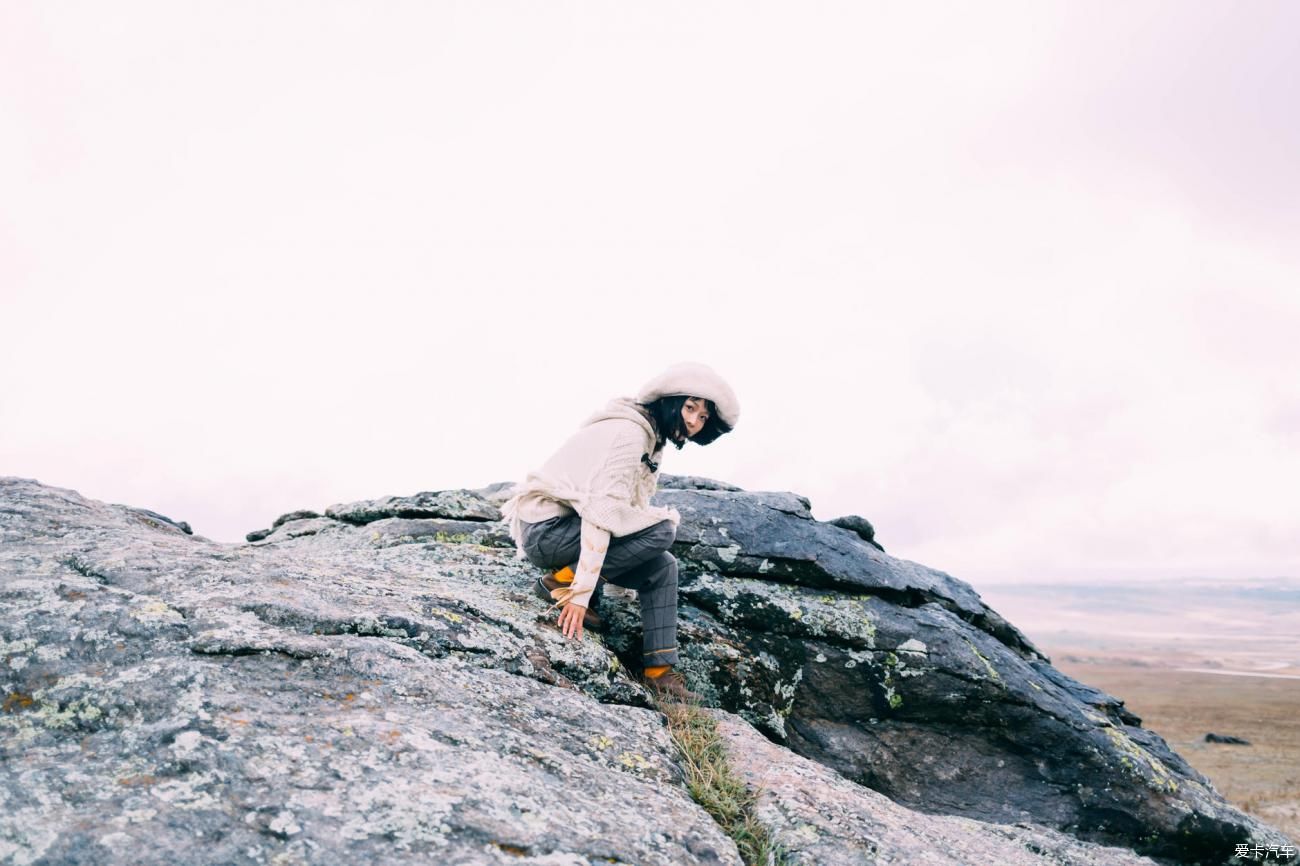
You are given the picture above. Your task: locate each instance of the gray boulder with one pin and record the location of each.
(148, 516)
(294, 515)
(496, 493)
(259, 534)
(860, 526)
(453, 504)
(901, 679)
(692, 482)
(392, 692)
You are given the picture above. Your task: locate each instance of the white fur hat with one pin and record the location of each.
(694, 380)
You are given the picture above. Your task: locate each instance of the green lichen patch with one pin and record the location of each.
(446, 614)
(634, 761)
(786, 609)
(988, 666)
(42, 712)
(1140, 763)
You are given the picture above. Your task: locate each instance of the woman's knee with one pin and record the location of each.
(552, 544)
(533, 550)
(669, 569)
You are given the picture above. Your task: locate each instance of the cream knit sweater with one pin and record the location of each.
(597, 472)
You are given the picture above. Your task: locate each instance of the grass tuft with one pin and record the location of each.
(714, 784)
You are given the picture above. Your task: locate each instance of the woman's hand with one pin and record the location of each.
(571, 620)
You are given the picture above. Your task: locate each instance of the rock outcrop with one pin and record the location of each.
(375, 682)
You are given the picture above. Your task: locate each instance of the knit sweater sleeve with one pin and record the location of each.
(595, 541)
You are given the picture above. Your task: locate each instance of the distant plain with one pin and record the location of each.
(1190, 658)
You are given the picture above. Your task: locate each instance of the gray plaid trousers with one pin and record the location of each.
(639, 561)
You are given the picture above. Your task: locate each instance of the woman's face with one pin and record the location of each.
(695, 411)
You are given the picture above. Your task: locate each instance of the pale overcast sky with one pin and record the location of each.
(1019, 283)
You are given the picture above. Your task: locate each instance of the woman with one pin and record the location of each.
(587, 511)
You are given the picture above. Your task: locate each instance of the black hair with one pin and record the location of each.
(666, 416)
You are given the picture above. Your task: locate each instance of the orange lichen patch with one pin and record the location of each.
(390, 736)
(16, 701)
(512, 849)
(137, 781)
(335, 696)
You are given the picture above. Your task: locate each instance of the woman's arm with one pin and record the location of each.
(577, 597)
(594, 543)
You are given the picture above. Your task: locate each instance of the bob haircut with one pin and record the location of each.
(666, 415)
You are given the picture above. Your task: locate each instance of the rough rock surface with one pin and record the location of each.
(320, 698)
(452, 504)
(371, 686)
(819, 818)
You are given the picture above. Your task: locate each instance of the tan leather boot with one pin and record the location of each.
(670, 685)
(543, 589)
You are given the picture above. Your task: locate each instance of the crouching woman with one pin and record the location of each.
(585, 515)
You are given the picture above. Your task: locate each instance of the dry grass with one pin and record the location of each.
(714, 785)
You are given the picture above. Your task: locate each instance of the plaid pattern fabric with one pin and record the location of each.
(639, 561)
